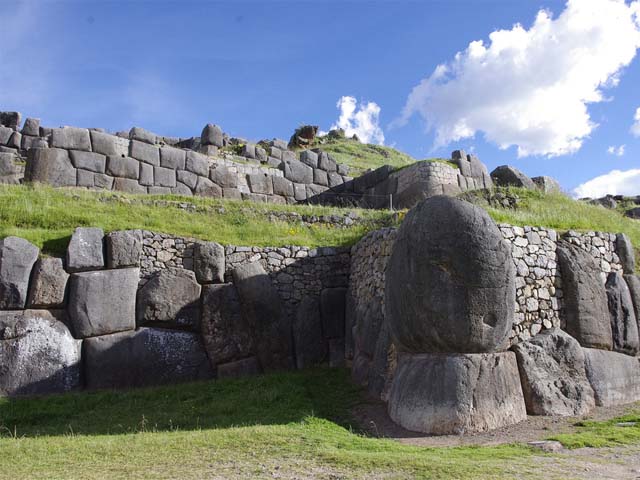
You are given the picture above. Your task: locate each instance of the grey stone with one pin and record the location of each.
(275, 153)
(262, 308)
(147, 356)
(626, 253)
(170, 298)
(320, 177)
(633, 283)
(326, 163)
(261, 154)
(238, 369)
(164, 177)
(279, 143)
(181, 189)
(207, 188)
(225, 332)
(10, 119)
(31, 127)
(17, 257)
(547, 184)
(173, 158)
(585, 298)
(159, 190)
(223, 176)
(332, 307)
(633, 213)
(102, 181)
(93, 162)
(343, 170)
(298, 172)
(33, 142)
(128, 185)
(51, 166)
(310, 158)
(507, 176)
(48, 284)
(282, 186)
(209, 262)
(212, 135)
(614, 377)
(260, 183)
(197, 163)
(232, 193)
(289, 156)
(85, 250)
(142, 135)
(85, 179)
(310, 345)
(146, 174)
(71, 138)
(552, 372)
(208, 150)
(487, 393)
(102, 302)
(248, 151)
(624, 325)
(7, 164)
(274, 162)
(38, 355)
(15, 141)
(335, 179)
(450, 280)
(124, 167)
(188, 178)
(109, 144)
(144, 152)
(336, 353)
(5, 135)
(124, 248)
(300, 192)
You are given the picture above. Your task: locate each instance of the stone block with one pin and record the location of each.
(209, 262)
(51, 166)
(248, 151)
(310, 345)
(107, 144)
(289, 156)
(181, 189)
(102, 302)
(5, 135)
(260, 183)
(332, 307)
(212, 135)
(206, 188)
(626, 253)
(298, 172)
(232, 193)
(38, 354)
(309, 158)
(71, 138)
(624, 325)
(11, 120)
(240, 368)
(102, 181)
(164, 177)
(261, 154)
(159, 191)
(128, 185)
(147, 356)
(85, 178)
(48, 284)
(335, 179)
(93, 162)
(300, 192)
(614, 377)
(146, 174)
(326, 163)
(85, 250)
(173, 158)
(142, 135)
(123, 167)
(197, 163)
(223, 176)
(144, 152)
(508, 176)
(454, 394)
(188, 178)
(124, 248)
(320, 177)
(17, 257)
(282, 186)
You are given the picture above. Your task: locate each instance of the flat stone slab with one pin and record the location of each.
(614, 377)
(446, 394)
(147, 356)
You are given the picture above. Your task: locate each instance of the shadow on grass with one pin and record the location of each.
(273, 399)
(56, 246)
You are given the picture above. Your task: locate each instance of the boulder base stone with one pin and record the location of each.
(48, 284)
(85, 250)
(450, 280)
(51, 166)
(38, 355)
(614, 377)
(552, 372)
(17, 257)
(624, 326)
(147, 356)
(102, 302)
(585, 298)
(445, 394)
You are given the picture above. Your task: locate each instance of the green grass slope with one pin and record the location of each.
(47, 217)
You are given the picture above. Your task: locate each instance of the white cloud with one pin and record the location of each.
(617, 151)
(616, 182)
(635, 128)
(531, 87)
(362, 121)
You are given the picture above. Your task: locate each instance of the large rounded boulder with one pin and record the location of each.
(450, 281)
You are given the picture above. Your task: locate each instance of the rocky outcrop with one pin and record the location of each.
(614, 377)
(38, 355)
(450, 280)
(547, 184)
(17, 257)
(624, 326)
(552, 372)
(585, 298)
(449, 394)
(508, 176)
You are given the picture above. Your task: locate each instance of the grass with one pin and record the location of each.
(282, 424)
(604, 434)
(46, 217)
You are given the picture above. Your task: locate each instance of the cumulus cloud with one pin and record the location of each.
(531, 87)
(362, 121)
(617, 151)
(616, 182)
(635, 128)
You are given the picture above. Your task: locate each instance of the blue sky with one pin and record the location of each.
(259, 69)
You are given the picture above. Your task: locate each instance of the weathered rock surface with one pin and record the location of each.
(102, 302)
(226, 334)
(261, 306)
(553, 377)
(48, 284)
(209, 262)
(124, 248)
(310, 345)
(51, 166)
(585, 298)
(85, 250)
(332, 307)
(170, 298)
(508, 176)
(212, 135)
(614, 377)
(38, 355)
(71, 138)
(547, 184)
(624, 249)
(17, 257)
(240, 368)
(624, 326)
(147, 356)
(633, 282)
(445, 394)
(450, 281)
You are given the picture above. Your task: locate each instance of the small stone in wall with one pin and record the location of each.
(17, 257)
(85, 250)
(48, 284)
(124, 248)
(209, 262)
